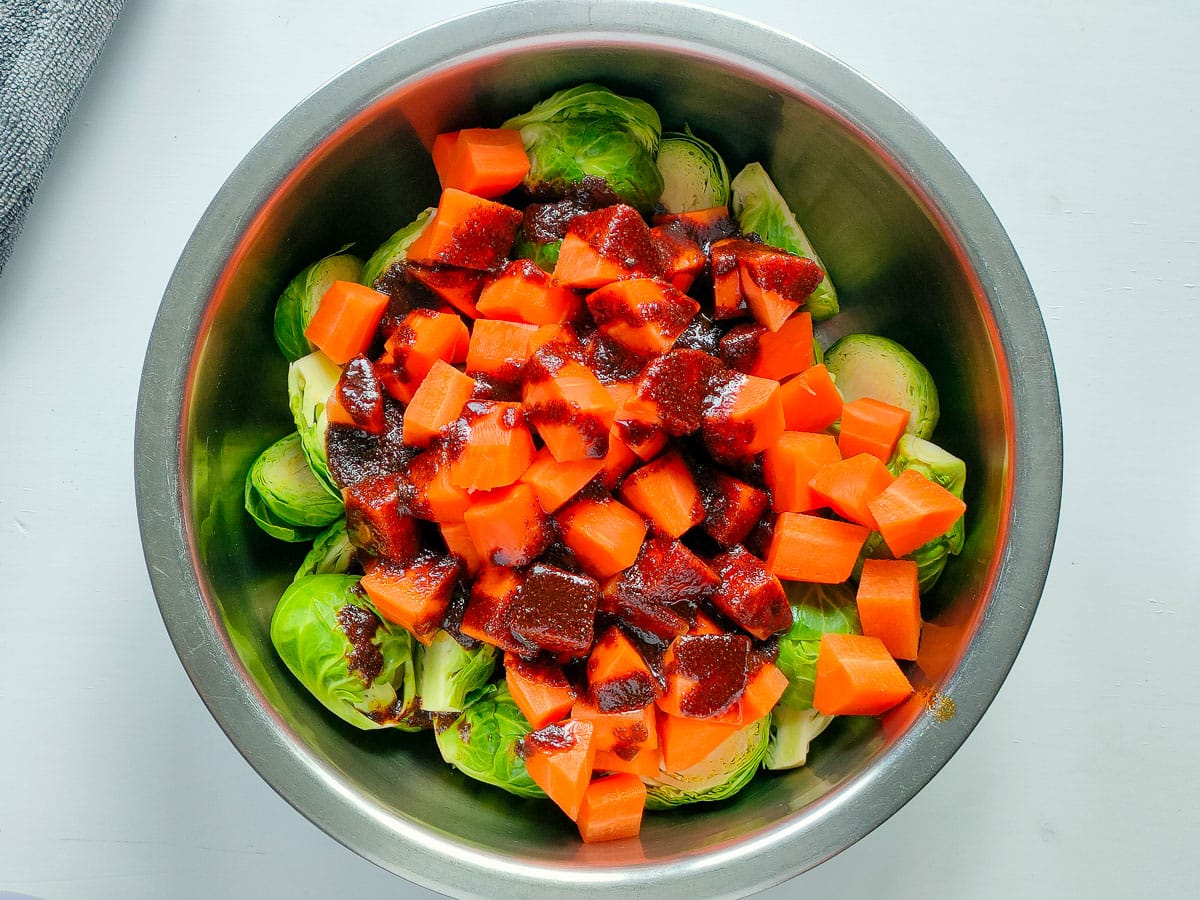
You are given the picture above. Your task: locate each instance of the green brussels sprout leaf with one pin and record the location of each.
(694, 175)
(450, 673)
(350, 659)
(792, 731)
(545, 255)
(331, 553)
(311, 379)
(284, 496)
(760, 208)
(590, 131)
(483, 742)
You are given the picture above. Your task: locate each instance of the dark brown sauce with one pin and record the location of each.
(360, 627)
(355, 455)
(551, 739)
(678, 383)
(361, 396)
(555, 610)
(740, 348)
(718, 665)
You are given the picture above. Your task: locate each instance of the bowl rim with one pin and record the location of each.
(1030, 513)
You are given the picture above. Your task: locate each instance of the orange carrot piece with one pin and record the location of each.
(422, 339)
(436, 403)
(488, 614)
(522, 292)
(496, 451)
(644, 762)
(559, 759)
(806, 548)
(811, 401)
(768, 307)
(580, 266)
(913, 511)
(571, 411)
(345, 321)
(637, 420)
(665, 492)
(728, 300)
(849, 485)
(459, 543)
(442, 151)
(508, 526)
(684, 742)
(889, 605)
(417, 596)
(644, 315)
(436, 498)
(555, 483)
(788, 465)
(762, 692)
(619, 459)
(466, 231)
(699, 224)
(458, 288)
(732, 508)
(871, 426)
(612, 808)
(540, 690)
(683, 259)
(500, 348)
(486, 162)
(606, 536)
(624, 731)
(786, 351)
(747, 420)
(856, 676)
(614, 658)
(704, 625)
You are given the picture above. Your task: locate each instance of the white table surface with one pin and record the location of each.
(1079, 121)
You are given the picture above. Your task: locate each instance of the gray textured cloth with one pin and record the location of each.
(47, 51)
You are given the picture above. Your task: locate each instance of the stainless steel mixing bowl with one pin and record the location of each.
(916, 253)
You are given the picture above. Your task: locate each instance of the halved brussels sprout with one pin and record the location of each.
(589, 130)
(311, 379)
(760, 208)
(284, 496)
(693, 173)
(722, 774)
(792, 732)
(331, 553)
(355, 663)
(867, 365)
(395, 249)
(299, 300)
(450, 674)
(817, 609)
(483, 743)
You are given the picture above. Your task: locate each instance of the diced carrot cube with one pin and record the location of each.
(682, 257)
(786, 351)
(612, 808)
(625, 730)
(569, 407)
(606, 245)
(686, 742)
(522, 292)
(488, 614)
(775, 283)
(540, 690)
(459, 288)
(913, 510)
(555, 483)
(508, 526)
(486, 162)
(731, 508)
(416, 596)
(459, 543)
(345, 321)
(436, 403)
(871, 426)
(497, 448)
(618, 676)
(728, 300)
(889, 605)
(665, 492)
(807, 548)
(644, 315)
(849, 485)
(856, 676)
(499, 348)
(423, 338)
(555, 611)
(559, 758)
(789, 465)
(466, 231)
(644, 762)
(434, 496)
(811, 401)
(442, 151)
(378, 521)
(605, 535)
(749, 595)
(746, 419)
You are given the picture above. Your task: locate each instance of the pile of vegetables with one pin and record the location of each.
(561, 442)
